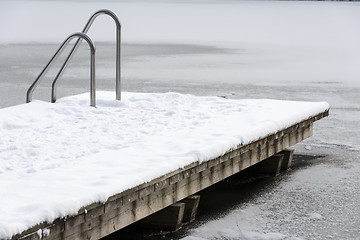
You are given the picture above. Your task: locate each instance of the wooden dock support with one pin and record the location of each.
(191, 206)
(271, 165)
(276, 163)
(171, 218)
(167, 219)
(288, 156)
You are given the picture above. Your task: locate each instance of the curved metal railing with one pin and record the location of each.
(58, 52)
(73, 50)
(82, 36)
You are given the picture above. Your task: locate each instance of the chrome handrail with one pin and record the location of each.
(58, 52)
(73, 50)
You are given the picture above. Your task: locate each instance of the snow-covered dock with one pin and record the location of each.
(70, 171)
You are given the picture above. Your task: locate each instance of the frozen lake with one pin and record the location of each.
(309, 202)
(291, 59)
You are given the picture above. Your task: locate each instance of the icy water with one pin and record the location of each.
(306, 51)
(317, 199)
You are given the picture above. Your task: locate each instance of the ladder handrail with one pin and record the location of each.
(73, 50)
(78, 35)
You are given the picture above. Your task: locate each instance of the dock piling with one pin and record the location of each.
(167, 219)
(271, 165)
(191, 206)
(288, 156)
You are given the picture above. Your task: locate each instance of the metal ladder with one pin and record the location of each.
(82, 36)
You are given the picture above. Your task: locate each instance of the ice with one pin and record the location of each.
(315, 216)
(308, 147)
(238, 225)
(268, 49)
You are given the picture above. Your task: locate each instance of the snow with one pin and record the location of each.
(39, 233)
(46, 232)
(57, 158)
